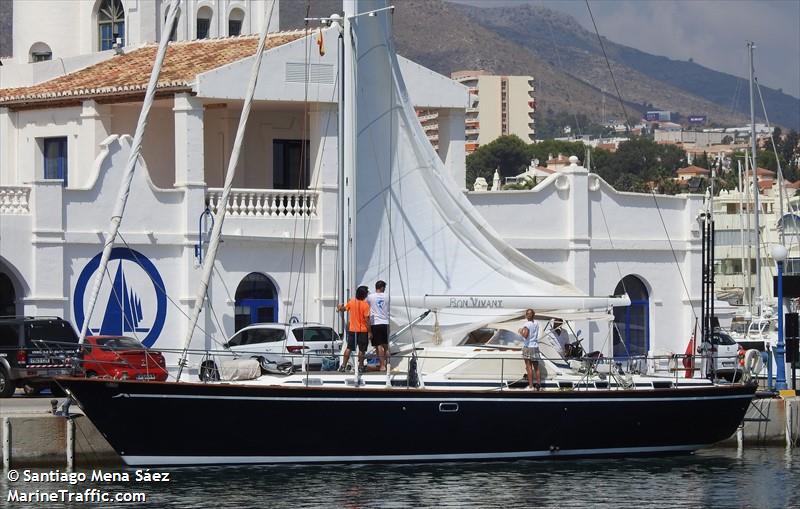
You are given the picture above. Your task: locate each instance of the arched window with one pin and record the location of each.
(40, 52)
(110, 24)
(235, 20)
(632, 323)
(204, 15)
(256, 301)
(8, 296)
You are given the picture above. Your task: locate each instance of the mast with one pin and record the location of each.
(130, 166)
(745, 268)
(349, 145)
(216, 232)
(754, 170)
(344, 283)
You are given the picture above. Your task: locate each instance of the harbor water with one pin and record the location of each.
(719, 477)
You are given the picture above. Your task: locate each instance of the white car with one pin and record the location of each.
(302, 343)
(725, 352)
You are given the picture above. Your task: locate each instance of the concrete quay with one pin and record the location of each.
(769, 421)
(32, 436)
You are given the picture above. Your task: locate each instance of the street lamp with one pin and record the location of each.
(779, 253)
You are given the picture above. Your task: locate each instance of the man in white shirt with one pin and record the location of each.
(530, 348)
(379, 322)
(559, 335)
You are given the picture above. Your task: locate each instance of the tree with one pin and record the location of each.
(546, 148)
(508, 154)
(668, 186)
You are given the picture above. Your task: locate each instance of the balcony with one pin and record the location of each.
(15, 200)
(266, 202)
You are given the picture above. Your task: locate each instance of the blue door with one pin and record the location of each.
(631, 323)
(256, 301)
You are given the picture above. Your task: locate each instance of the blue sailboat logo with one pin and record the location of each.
(123, 310)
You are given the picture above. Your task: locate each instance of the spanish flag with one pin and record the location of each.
(321, 44)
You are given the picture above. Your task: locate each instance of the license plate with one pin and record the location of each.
(324, 351)
(149, 376)
(727, 363)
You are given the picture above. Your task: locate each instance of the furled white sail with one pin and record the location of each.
(414, 228)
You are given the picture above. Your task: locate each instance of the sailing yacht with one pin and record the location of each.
(445, 395)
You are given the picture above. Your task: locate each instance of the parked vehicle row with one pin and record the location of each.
(34, 350)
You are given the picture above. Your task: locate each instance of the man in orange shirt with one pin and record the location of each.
(357, 329)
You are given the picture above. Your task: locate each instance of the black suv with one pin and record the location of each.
(33, 350)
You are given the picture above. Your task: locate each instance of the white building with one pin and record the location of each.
(64, 138)
(606, 242)
(64, 142)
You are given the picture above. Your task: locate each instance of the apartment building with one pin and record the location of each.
(502, 105)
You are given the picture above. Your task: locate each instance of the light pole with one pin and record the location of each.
(779, 253)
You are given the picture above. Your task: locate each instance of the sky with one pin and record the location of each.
(712, 32)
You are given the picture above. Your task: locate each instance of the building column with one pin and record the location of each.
(452, 144)
(323, 136)
(8, 170)
(189, 156)
(190, 177)
(577, 183)
(95, 120)
(49, 289)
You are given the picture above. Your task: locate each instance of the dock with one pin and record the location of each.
(32, 436)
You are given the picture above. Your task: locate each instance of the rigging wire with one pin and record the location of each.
(782, 179)
(561, 67)
(674, 254)
(608, 64)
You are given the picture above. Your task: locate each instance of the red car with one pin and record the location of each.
(123, 358)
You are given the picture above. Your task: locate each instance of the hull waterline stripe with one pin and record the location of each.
(219, 460)
(432, 400)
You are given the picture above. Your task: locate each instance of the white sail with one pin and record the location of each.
(414, 228)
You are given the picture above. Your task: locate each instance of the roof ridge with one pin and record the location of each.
(207, 40)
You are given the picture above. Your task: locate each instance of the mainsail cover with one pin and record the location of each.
(414, 228)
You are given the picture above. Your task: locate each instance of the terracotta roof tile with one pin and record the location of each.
(693, 169)
(127, 74)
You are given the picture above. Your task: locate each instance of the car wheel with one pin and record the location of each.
(209, 372)
(31, 390)
(91, 374)
(7, 386)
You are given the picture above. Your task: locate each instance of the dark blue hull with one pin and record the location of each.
(152, 423)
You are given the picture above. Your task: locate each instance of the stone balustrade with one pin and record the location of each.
(15, 200)
(266, 202)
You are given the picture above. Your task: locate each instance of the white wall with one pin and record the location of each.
(579, 227)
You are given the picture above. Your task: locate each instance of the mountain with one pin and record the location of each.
(543, 32)
(565, 60)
